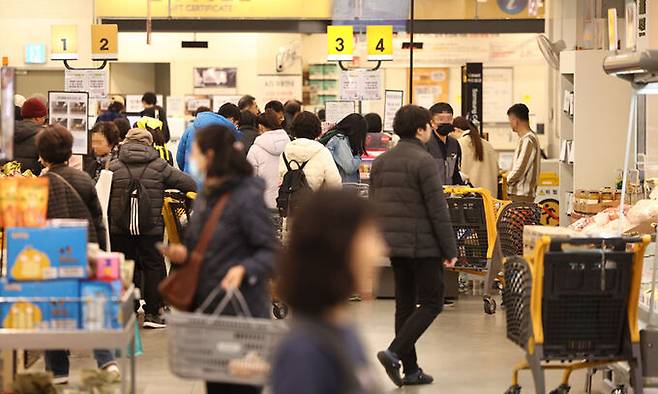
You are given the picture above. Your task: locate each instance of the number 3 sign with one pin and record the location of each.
(104, 42)
(340, 43)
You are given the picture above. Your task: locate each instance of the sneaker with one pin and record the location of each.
(154, 321)
(417, 378)
(392, 365)
(113, 372)
(355, 298)
(60, 380)
(449, 303)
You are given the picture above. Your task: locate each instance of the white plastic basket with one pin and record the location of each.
(224, 349)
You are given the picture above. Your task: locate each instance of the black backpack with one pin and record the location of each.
(134, 215)
(293, 187)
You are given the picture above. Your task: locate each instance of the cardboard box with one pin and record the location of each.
(40, 305)
(101, 305)
(532, 233)
(47, 253)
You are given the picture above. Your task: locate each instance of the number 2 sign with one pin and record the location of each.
(64, 42)
(340, 43)
(104, 42)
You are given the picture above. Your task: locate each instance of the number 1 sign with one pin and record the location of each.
(64, 42)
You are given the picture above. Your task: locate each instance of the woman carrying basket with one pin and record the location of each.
(242, 245)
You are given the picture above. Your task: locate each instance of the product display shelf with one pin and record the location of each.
(123, 339)
(596, 127)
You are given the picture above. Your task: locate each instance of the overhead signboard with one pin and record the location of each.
(104, 42)
(340, 43)
(64, 42)
(35, 54)
(380, 42)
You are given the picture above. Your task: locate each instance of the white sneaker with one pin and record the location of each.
(114, 372)
(60, 380)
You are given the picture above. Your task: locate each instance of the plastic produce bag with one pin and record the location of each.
(34, 383)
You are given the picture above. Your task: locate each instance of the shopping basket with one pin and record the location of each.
(575, 301)
(223, 349)
(176, 211)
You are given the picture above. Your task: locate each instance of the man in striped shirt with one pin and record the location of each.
(522, 179)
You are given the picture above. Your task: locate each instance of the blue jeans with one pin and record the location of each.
(57, 361)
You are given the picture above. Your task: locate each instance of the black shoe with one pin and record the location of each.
(417, 378)
(154, 321)
(449, 303)
(392, 364)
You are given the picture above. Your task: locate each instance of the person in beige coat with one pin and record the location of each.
(479, 158)
(320, 170)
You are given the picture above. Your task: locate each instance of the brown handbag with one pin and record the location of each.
(179, 287)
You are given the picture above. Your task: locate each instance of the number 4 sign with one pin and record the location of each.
(380, 42)
(104, 42)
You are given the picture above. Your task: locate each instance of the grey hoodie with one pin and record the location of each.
(264, 156)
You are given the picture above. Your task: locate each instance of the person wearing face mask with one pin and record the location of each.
(241, 249)
(444, 148)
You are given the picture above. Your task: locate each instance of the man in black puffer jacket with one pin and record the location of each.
(138, 159)
(406, 189)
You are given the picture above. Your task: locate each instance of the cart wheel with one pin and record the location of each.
(563, 389)
(621, 389)
(489, 305)
(280, 311)
(515, 389)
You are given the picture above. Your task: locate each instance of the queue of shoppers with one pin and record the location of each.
(333, 244)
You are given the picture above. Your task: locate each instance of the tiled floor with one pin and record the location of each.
(465, 350)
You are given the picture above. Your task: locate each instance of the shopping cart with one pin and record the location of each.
(176, 211)
(225, 349)
(575, 301)
(486, 231)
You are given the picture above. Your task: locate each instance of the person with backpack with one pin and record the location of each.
(71, 195)
(347, 143)
(136, 223)
(335, 236)
(152, 109)
(265, 153)
(240, 242)
(305, 164)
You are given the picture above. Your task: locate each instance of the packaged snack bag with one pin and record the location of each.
(32, 201)
(9, 202)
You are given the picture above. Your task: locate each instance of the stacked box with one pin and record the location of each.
(47, 253)
(40, 305)
(100, 307)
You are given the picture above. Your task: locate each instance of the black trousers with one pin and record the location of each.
(418, 301)
(223, 388)
(150, 267)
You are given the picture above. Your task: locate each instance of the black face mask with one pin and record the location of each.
(445, 128)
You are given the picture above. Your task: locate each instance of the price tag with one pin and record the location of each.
(64, 42)
(380, 42)
(340, 43)
(104, 42)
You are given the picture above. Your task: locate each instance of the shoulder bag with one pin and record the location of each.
(179, 288)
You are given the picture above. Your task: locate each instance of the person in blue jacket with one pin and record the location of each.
(203, 119)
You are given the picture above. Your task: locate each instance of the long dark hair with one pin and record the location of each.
(228, 160)
(269, 119)
(476, 139)
(355, 128)
(323, 233)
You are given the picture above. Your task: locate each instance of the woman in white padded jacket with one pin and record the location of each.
(320, 168)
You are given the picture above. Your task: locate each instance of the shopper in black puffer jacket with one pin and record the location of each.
(34, 114)
(241, 250)
(138, 159)
(407, 191)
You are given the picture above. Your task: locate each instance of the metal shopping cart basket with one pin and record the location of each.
(176, 211)
(575, 301)
(224, 349)
(486, 231)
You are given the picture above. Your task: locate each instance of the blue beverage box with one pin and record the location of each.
(100, 306)
(44, 305)
(47, 253)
